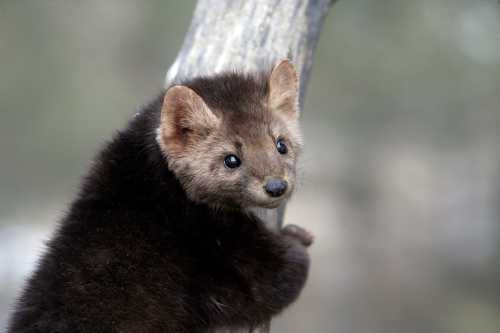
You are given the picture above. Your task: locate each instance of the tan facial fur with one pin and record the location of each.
(196, 135)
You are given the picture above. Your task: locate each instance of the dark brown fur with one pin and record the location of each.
(139, 251)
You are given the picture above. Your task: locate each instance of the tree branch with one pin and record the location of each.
(249, 36)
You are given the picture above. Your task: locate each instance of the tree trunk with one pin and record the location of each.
(251, 35)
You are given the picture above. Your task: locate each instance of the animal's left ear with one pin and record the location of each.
(185, 119)
(284, 90)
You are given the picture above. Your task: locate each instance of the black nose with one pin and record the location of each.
(276, 187)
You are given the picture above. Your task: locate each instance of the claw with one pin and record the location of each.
(302, 235)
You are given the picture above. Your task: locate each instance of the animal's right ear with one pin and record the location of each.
(284, 90)
(185, 118)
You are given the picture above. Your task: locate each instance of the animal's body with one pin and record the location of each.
(160, 238)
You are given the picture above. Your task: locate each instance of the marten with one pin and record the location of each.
(161, 236)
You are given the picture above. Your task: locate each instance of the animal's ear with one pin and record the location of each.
(185, 118)
(284, 89)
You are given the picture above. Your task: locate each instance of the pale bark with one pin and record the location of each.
(251, 35)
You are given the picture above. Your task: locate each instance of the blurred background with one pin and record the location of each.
(400, 180)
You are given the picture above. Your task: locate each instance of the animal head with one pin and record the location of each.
(232, 139)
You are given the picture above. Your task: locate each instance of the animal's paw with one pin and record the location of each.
(298, 233)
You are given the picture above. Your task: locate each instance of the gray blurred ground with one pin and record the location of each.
(400, 180)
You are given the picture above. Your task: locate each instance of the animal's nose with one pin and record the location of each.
(276, 187)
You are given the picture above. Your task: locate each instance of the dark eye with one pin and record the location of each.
(232, 161)
(281, 146)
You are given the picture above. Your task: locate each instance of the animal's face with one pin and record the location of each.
(238, 152)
